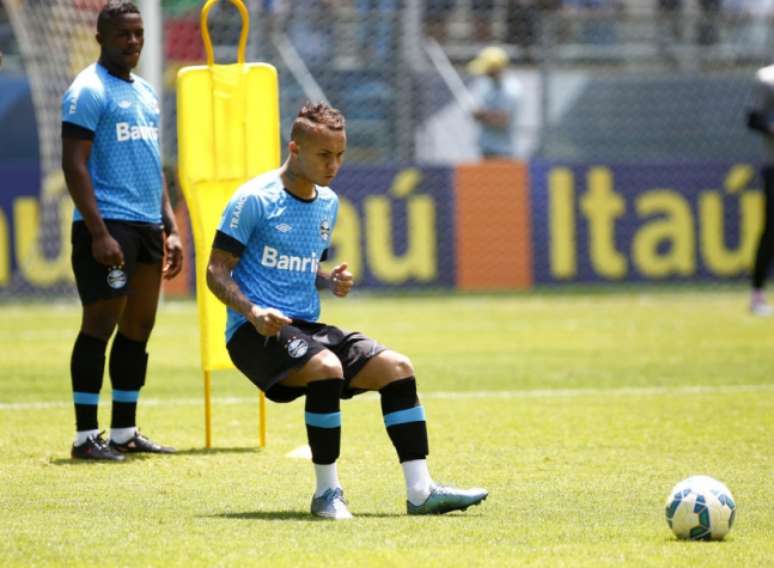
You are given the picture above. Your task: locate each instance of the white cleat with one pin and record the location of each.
(761, 308)
(444, 499)
(331, 505)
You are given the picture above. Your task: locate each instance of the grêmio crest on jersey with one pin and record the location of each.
(325, 229)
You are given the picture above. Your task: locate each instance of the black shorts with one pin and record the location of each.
(267, 360)
(140, 242)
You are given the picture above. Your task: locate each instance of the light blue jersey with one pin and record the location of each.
(125, 163)
(284, 238)
(503, 96)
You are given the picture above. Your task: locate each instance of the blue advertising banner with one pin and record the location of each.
(396, 225)
(644, 222)
(19, 166)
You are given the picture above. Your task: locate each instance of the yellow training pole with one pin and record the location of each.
(262, 422)
(208, 410)
(228, 132)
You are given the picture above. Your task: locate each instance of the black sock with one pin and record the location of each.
(87, 365)
(128, 364)
(323, 419)
(404, 418)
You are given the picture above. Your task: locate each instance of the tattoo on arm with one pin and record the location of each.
(220, 282)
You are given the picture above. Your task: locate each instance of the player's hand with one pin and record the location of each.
(268, 321)
(173, 251)
(107, 251)
(341, 280)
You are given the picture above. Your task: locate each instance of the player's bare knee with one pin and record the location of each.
(402, 367)
(102, 332)
(101, 328)
(324, 365)
(138, 330)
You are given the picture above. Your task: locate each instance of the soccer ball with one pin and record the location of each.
(700, 508)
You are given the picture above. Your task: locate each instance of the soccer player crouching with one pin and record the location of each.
(264, 266)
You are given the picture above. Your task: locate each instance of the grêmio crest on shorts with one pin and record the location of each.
(282, 240)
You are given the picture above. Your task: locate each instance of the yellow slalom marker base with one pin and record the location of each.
(228, 131)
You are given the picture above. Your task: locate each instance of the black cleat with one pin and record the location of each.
(95, 448)
(140, 444)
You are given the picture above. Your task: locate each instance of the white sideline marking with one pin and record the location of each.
(447, 395)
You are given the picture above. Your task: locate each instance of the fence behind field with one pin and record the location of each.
(652, 93)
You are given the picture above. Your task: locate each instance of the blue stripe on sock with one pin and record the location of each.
(125, 396)
(90, 398)
(330, 420)
(416, 414)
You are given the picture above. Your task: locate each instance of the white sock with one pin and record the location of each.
(122, 435)
(418, 481)
(82, 435)
(327, 478)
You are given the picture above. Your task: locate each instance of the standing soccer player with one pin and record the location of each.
(123, 225)
(761, 119)
(264, 266)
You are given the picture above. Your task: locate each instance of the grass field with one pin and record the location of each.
(578, 412)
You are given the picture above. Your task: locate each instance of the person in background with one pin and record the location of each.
(483, 16)
(670, 20)
(376, 29)
(436, 15)
(496, 103)
(761, 120)
(708, 23)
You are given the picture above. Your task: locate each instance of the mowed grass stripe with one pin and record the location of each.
(450, 395)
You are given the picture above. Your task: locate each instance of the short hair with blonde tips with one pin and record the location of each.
(313, 117)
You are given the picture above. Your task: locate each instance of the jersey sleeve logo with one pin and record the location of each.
(325, 229)
(237, 213)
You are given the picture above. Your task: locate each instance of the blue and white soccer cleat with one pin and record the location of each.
(331, 505)
(443, 499)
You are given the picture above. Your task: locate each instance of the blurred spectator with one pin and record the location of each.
(600, 25)
(310, 28)
(707, 24)
(670, 21)
(497, 101)
(524, 22)
(436, 17)
(752, 20)
(376, 28)
(521, 23)
(598, 19)
(483, 11)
